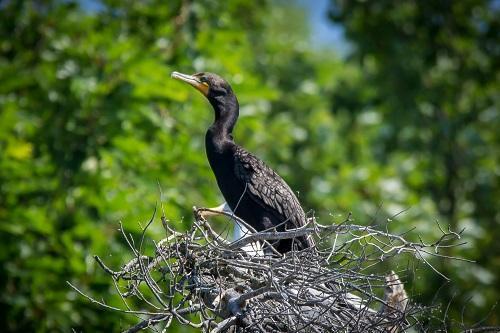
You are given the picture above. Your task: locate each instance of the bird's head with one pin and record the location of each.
(211, 85)
(219, 94)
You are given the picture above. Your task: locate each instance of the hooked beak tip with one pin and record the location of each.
(192, 80)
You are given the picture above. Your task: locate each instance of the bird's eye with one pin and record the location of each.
(203, 79)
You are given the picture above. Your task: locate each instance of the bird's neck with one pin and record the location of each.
(226, 114)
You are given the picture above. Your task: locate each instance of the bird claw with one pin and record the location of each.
(198, 213)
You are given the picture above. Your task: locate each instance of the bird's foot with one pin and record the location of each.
(199, 213)
(203, 213)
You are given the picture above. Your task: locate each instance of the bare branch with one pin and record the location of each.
(199, 279)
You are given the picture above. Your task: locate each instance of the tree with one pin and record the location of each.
(88, 132)
(91, 124)
(433, 71)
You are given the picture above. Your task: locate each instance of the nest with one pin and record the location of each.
(200, 279)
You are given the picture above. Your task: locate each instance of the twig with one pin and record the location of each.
(320, 289)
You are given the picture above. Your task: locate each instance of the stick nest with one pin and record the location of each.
(198, 278)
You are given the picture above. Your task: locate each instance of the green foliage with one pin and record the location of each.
(435, 70)
(91, 125)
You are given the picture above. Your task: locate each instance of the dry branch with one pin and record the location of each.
(198, 278)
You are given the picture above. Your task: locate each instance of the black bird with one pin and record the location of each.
(253, 191)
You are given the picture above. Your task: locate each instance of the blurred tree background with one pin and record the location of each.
(91, 126)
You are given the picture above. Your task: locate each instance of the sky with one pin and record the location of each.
(324, 33)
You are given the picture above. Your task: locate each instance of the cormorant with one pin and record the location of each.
(253, 191)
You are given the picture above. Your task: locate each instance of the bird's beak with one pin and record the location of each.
(192, 80)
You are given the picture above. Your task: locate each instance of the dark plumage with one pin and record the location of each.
(253, 191)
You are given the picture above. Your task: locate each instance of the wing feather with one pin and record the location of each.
(268, 189)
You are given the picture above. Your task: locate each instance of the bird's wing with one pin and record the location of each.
(267, 188)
